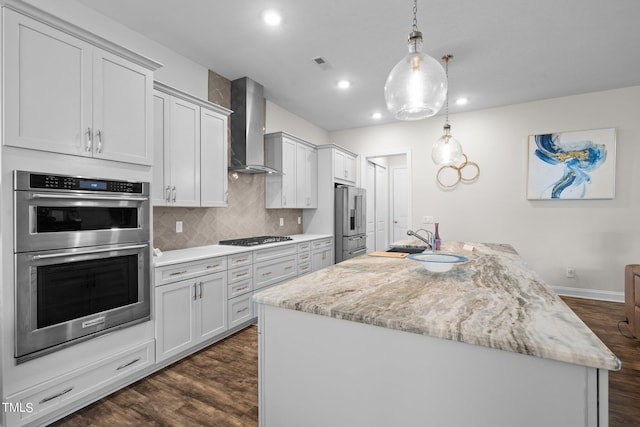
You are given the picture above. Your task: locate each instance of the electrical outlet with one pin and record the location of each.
(281, 222)
(178, 226)
(427, 219)
(299, 220)
(571, 272)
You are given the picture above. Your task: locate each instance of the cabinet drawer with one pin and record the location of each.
(304, 268)
(238, 260)
(51, 395)
(322, 243)
(304, 246)
(186, 270)
(240, 309)
(239, 274)
(272, 253)
(270, 272)
(239, 288)
(304, 257)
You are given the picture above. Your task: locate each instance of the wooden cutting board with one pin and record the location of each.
(389, 254)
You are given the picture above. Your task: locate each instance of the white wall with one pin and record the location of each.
(596, 237)
(280, 120)
(177, 71)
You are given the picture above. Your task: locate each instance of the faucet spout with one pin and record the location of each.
(428, 240)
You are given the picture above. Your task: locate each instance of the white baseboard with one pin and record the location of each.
(589, 293)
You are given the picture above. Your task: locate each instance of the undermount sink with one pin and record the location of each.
(407, 249)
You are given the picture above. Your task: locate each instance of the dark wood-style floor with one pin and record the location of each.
(219, 385)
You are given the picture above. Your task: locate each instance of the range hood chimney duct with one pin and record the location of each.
(247, 127)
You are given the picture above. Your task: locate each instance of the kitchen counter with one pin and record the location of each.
(489, 320)
(202, 252)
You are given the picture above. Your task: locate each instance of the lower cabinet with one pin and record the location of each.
(189, 312)
(51, 396)
(321, 253)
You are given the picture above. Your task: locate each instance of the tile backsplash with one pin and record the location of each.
(245, 216)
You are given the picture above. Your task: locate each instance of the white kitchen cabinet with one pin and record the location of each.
(344, 165)
(66, 95)
(190, 141)
(189, 312)
(321, 253)
(297, 159)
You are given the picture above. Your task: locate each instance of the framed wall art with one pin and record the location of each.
(572, 165)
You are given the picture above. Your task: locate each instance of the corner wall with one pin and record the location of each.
(596, 237)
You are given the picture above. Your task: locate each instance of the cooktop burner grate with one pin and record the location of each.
(251, 241)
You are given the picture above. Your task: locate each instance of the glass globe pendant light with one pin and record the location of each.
(417, 86)
(447, 150)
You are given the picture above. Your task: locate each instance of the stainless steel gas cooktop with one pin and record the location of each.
(252, 241)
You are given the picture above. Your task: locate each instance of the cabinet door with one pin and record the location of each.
(350, 167)
(213, 159)
(339, 165)
(306, 177)
(184, 157)
(212, 300)
(321, 259)
(288, 173)
(175, 314)
(122, 108)
(47, 84)
(160, 194)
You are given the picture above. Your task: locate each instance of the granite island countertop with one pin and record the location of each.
(494, 300)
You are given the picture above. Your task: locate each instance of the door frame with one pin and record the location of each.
(364, 158)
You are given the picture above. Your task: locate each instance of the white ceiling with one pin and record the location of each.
(506, 51)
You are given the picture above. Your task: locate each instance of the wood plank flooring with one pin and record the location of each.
(219, 385)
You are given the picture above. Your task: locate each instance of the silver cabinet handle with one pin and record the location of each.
(47, 399)
(168, 191)
(241, 289)
(242, 274)
(289, 267)
(124, 365)
(210, 266)
(243, 309)
(88, 147)
(195, 291)
(99, 136)
(266, 273)
(173, 189)
(178, 273)
(200, 284)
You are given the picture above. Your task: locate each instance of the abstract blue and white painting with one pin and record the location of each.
(572, 165)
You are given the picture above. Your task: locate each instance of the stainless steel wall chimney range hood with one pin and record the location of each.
(247, 127)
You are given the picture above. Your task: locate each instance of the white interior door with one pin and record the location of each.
(382, 208)
(370, 185)
(400, 202)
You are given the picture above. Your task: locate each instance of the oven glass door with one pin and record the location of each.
(65, 295)
(49, 220)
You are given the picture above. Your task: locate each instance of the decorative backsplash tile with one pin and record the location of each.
(246, 215)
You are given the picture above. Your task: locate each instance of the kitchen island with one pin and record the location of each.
(381, 341)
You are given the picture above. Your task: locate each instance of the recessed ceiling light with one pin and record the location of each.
(344, 84)
(376, 116)
(461, 101)
(272, 18)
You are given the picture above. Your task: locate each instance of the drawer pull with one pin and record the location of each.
(304, 257)
(266, 273)
(55, 396)
(289, 267)
(238, 261)
(241, 289)
(242, 274)
(177, 273)
(242, 310)
(212, 266)
(137, 359)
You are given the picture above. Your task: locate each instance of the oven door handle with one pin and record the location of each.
(86, 197)
(63, 254)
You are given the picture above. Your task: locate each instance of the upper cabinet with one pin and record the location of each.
(190, 141)
(66, 95)
(297, 159)
(344, 165)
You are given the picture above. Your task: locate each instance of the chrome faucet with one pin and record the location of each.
(429, 240)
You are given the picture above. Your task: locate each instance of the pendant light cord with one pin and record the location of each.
(415, 14)
(446, 60)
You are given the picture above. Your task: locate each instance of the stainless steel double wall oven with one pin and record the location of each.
(82, 259)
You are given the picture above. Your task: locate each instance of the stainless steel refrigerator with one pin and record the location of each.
(350, 222)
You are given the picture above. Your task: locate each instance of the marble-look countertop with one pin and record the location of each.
(202, 252)
(494, 300)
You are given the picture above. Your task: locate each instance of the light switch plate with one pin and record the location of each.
(178, 226)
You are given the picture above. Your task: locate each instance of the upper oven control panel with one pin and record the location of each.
(31, 180)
